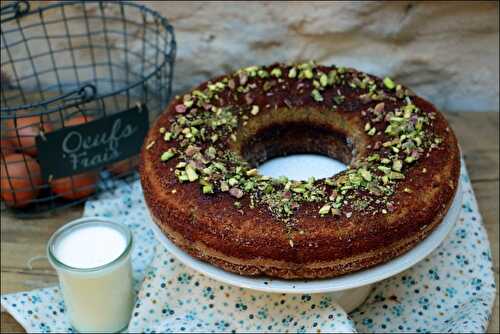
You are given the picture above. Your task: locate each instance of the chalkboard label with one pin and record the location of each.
(88, 146)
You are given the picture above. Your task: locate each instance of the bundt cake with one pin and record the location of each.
(198, 170)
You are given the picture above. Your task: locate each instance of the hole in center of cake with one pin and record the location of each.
(298, 151)
(300, 167)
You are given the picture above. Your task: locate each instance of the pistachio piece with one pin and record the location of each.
(167, 155)
(325, 209)
(397, 165)
(409, 159)
(208, 189)
(316, 95)
(292, 73)
(252, 172)
(323, 80)
(276, 72)
(224, 186)
(308, 73)
(236, 192)
(191, 173)
(388, 83)
(232, 181)
(396, 176)
(418, 141)
(255, 110)
(332, 77)
(262, 74)
(365, 174)
(183, 177)
(372, 131)
(167, 136)
(299, 190)
(181, 164)
(384, 169)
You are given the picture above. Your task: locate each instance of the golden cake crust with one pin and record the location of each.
(250, 239)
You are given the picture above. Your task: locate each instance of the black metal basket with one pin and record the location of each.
(69, 63)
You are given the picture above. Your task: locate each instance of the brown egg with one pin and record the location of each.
(20, 179)
(75, 186)
(124, 166)
(77, 120)
(24, 131)
(80, 185)
(6, 146)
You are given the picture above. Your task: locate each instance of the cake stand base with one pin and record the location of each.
(350, 299)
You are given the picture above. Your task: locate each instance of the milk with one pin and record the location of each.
(90, 247)
(92, 259)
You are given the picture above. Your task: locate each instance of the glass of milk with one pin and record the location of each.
(92, 259)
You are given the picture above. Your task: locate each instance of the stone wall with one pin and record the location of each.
(447, 51)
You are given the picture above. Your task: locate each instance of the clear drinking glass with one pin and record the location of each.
(101, 298)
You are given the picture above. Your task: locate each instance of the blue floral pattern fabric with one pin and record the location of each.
(452, 290)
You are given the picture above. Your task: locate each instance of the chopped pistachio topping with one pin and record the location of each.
(191, 173)
(252, 172)
(397, 165)
(167, 155)
(208, 189)
(255, 110)
(366, 174)
(206, 121)
(167, 136)
(323, 80)
(276, 72)
(389, 83)
(325, 209)
(339, 99)
(316, 95)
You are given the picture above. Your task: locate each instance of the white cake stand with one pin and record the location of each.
(349, 290)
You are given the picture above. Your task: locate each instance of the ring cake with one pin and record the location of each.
(201, 185)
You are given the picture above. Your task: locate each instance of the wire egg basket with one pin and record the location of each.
(73, 65)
